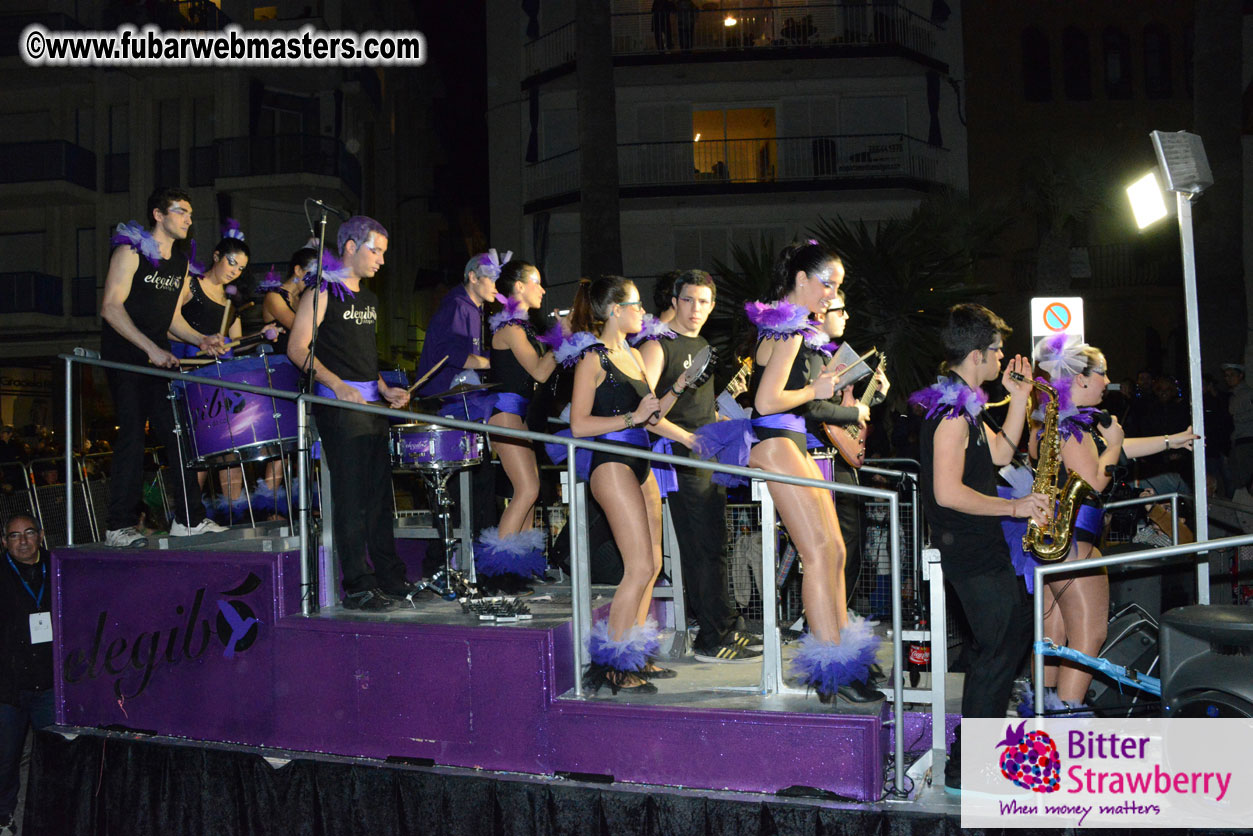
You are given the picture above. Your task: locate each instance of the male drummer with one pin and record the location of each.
(141, 305)
(456, 329)
(456, 332)
(354, 444)
(699, 505)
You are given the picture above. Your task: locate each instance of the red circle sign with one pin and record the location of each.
(1057, 317)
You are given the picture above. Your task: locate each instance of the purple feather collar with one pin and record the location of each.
(949, 398)
(576, 345)
(138, 239)
(511, 315)
(779, 320)
(652, 329)
(1072, 421)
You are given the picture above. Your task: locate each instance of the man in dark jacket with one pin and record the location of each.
(25, 651)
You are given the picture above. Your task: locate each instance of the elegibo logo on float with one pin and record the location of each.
(1096, 773)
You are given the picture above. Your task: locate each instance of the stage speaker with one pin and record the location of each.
(1131, 642)
(1207, 661)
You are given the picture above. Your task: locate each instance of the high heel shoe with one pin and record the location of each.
(859, 691)
(629, 682)
(652, 670)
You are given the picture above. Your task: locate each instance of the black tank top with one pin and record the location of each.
(507, 372)
(347, 344)
(617, 394)
(695, 408)
(201, 312)
(968, 544)
(151, 303)
(806, 367)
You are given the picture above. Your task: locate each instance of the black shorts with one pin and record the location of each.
(639, 467)
(798, 439)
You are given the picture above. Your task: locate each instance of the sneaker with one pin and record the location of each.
(205, 526)
(369, 600)
(729, 653)
(125, 538)
(752, 641)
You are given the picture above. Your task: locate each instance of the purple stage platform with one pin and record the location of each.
(208, 643)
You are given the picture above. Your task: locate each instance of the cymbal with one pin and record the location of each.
(460, 389)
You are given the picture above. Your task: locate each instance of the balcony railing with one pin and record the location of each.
(767, 160)
(31, 292)
(1135, 264)
(786, 26)
(257, 156)
(33, 162)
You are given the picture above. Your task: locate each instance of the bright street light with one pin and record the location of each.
(1147, 203)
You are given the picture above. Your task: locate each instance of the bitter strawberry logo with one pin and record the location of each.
(1030, 760)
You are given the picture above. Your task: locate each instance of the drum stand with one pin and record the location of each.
(448, 583)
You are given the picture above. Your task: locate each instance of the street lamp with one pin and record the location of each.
(1183, 165)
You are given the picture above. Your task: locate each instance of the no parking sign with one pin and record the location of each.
(1052, 315)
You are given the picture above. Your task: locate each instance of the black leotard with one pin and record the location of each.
(806, 367)
(618, 394)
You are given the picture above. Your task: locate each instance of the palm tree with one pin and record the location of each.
(1064, 188)
(903, 275)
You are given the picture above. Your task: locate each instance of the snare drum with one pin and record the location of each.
(226, 426)
(432, 447)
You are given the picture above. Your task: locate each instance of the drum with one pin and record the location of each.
(226, 426)
(432, 447)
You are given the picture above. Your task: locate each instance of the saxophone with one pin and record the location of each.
(1051, 541)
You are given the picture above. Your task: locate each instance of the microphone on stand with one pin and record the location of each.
(321, 204)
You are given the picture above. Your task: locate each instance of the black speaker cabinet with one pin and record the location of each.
(1207, 661)
(1132, 643)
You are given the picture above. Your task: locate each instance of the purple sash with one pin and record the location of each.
(635, 436)
(781, 421)
(369, 390)
(512, 403)
(667, 478)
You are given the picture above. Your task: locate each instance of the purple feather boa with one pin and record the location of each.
(138, 239)
(630, 653)
(1072, 421)
(652, 329)
(779, 320)
(231, 229)
(513, 314)
(194, 267)
(826, 666)
(949, 398)
(516, 554)
(573, 347)
(330, 277)
(553, 337)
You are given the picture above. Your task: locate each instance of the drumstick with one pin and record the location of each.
(226, 317)
(235, 342)
(424, 378)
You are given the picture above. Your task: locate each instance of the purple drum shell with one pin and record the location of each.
(433, 446)
(226, 424)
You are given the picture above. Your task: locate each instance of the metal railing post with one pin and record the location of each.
(69, 451)
(898, 681)
(308, 574)
(576, 526)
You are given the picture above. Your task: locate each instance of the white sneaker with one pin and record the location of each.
(206, 526)
(125, 538)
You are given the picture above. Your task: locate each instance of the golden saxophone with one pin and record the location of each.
(1051, 541)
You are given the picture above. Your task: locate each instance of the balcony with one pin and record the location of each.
(1151, 262)
(61, 169)
(746, 166)
(880, 28)
(29, 292)
(275, 157)
(170, 15)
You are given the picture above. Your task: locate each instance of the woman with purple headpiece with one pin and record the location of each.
(1077, 606)
(836, 655)
(209, 291)
(508, 554)
(612, 402)
(282, 296)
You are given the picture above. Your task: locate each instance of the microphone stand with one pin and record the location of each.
(308, 375)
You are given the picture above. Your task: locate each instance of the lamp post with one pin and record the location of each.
(1182, 162)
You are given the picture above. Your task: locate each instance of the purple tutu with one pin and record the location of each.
(726, 442)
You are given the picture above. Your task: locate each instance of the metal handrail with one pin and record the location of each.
(578, 558)
(1157, 554)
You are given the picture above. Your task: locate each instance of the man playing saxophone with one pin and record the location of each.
(961, 449)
